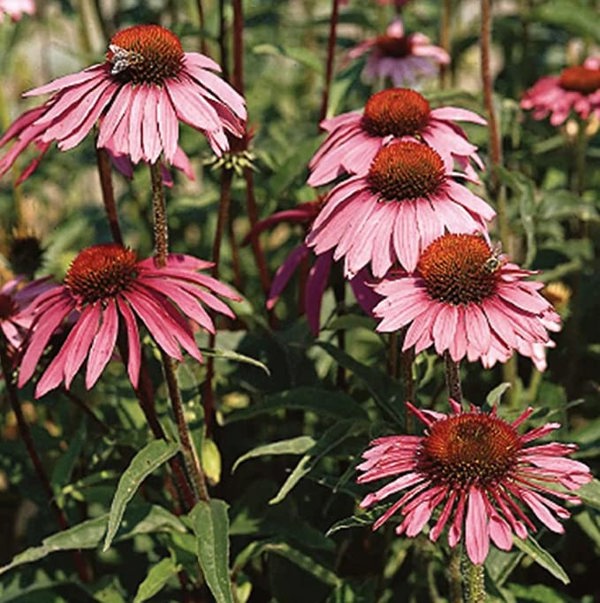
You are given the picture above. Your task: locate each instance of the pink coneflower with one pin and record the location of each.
(353, 139)
(107, 289)
(319, 272)
(402, 58)
(575, 89)
(138, 96)
(479, 473)
(15, 296)
(15, 9)
(465, 298)
(407, 199)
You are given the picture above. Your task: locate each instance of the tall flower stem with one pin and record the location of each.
(445, 40)
(202, 23)
(108, 194)
(223, 51)
(453, 378)
(333, 23)
(145, 396)
(475, 583)
(251, 205)
(455, 576)
(161, 250)
(393, 355)
(27, 438)
(497, 191)
(495, 141)
(581, 147)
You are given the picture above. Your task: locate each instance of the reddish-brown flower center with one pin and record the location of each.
(406, 170)
(101, 272)
(580, 79)
(8, 307)
(459, 269)
(145, 54)
(471, 448)
(397, 112)
(397, 48)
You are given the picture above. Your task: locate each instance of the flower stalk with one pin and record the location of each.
(453, 378)
(474, 582)
(108, 194)
(329, 63)
(455, 576)
(161, 246)
(509, 368)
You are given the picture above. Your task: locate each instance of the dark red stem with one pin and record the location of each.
(333, 23)
(108, 194)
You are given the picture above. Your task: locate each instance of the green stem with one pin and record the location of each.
(534, 386)
(455, 576)
(161, 250)
(581, 146)
(445, 35)
(475, 583)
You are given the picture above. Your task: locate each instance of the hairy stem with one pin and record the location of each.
(453, 378)
(455, 576)
(161, 247)
(108, 194)
(145, 395)
(475, 583)
(190, 455)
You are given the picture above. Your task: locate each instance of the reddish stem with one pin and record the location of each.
(108, 194)
(202, 23)
(333, 23)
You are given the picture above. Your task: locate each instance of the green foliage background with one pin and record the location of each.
(284, 517)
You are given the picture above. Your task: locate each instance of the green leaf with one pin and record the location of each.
(210, 523)
(349, 522)
(542, 557)
(211, 461)
(295, 53)
(85, 535)
(590, 494)
(334, 436)
(538, 593)
(386, 392)
(236, 357)
(493, 398)
(297, 445)
(590, 525)
(61, 475)
(304, 561)
(500, 565)
(523, 189)
(142, 465)
(157, 578)
(580, 20)
(139, 519)
(320, 401)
